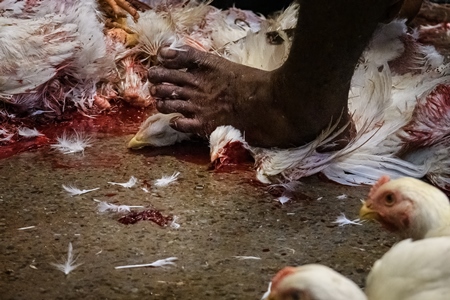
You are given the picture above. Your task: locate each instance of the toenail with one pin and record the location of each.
(166, 52)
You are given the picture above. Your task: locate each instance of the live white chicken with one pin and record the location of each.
(313, 281)
(410, 270)
(408, 207)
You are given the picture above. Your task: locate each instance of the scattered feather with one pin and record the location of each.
(267, 293)
(290, 186)
(166, 180)
(128, 184)
(3, 131)
(28, 132)
(40, 112)
(74, 143)
(174, 223)
(105, 206)
(159, 263)
(342, 221)
(341, 197)
(243, 257)
(283, 199)
(25, 228)
(145, 190)
(73, 191)
(7, 137)
(69, 265)
(320, 198)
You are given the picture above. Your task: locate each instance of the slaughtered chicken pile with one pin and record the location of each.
(80, 55)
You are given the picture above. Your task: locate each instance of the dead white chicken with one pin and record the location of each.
(156, 132)
(228, 147)
(34, 52)
(55, 54)
(408, 207)
(134, 87)
(390, 108)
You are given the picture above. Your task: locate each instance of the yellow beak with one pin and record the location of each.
(214, 155)
(366, 213)
(135, 144)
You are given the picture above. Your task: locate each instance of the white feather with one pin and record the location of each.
(130, 183)
(9, 8)
(245, 257)
(32, 52)
(166, 180)
(28, 132)
(7, 137)
(159, 263)
(412, 270)
(342, 221)
(174, 223)
(69, 265)
(74, 143)
(283, 199)
(104, 206)
(73, 191)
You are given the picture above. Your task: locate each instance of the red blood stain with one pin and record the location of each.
(232, 157)
(121, 121)
(146, 215)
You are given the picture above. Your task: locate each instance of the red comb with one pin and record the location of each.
(280, 275)
(383, 179)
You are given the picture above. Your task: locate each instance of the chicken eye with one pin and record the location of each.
(389, 199)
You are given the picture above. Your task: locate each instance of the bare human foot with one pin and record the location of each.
(285, 107)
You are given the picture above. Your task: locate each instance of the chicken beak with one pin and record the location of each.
(135, 144)
(366, 213)
(214, 156)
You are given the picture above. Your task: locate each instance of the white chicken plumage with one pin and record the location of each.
(398, 84)
(313, 281)
(53, 52)
(24, 67)
(410, 270)
(408, 207)
(383, 105)
(390, 87)
(156, 132)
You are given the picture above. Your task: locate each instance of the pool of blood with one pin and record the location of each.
(146, 215)
(120, 121)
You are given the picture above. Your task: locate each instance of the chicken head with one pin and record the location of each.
(407, 207)
(228, 147)
(312, 282)
(156, 132)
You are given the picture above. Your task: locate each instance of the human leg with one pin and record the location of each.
(285, 107)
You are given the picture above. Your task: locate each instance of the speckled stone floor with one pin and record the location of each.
(221, 215)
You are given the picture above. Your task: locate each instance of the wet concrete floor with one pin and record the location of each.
(221, 215)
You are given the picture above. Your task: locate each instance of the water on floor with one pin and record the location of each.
(233, 235)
